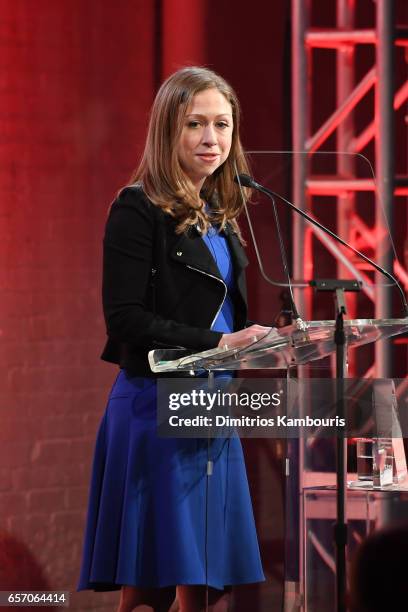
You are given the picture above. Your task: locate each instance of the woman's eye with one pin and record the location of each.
(193, 124)
(222, 124)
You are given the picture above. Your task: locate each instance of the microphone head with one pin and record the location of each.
(244, 180)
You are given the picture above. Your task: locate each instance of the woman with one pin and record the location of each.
(173, 276)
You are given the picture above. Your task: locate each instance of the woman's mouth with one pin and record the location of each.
(208, 157)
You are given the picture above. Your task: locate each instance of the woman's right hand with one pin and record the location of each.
(244, 337)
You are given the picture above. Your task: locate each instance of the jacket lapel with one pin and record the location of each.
(190, 250)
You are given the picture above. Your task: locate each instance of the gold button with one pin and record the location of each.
(179, 253)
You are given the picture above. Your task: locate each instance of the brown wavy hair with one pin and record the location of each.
(159, 171)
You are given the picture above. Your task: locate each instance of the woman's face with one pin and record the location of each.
(206, 136)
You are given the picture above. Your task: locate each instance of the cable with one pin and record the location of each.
(284, 260)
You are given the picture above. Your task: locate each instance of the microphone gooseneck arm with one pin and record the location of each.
(287, 284)
(284, 258)
(248, 181)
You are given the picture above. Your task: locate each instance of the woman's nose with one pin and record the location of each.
(209, 135)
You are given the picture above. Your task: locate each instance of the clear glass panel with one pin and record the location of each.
(310, 497)
(280, 348)
(348, 206)
(311, 503)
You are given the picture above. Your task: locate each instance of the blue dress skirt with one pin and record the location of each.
(155, 519)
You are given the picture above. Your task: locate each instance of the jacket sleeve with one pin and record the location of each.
(127, 273)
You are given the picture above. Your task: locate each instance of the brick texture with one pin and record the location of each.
(76, 87)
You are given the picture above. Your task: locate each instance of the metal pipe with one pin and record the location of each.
(300, 127)
(333, 247)
(331, 39)
(322, 134)
(358, 143)
(345, 59)
(385, 168)
(336, 185)
(300, 98)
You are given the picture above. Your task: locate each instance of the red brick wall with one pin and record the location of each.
(77, 81)
(76, 86)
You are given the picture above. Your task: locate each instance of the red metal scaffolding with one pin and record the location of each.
(361, 232)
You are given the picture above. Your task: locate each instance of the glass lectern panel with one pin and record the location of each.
(349, 208)
(309, 480)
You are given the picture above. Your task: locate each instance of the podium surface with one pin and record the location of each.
(280, 349)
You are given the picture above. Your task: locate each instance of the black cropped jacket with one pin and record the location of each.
(161, 288)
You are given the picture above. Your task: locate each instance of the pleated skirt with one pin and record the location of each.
(155, 518)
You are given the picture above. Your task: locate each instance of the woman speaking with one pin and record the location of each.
(173, 276)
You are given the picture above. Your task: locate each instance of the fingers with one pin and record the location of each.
(257, 332)
(258, 329)
(245, 337)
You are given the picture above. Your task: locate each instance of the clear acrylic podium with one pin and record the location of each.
(310, 493)
(295, 350)
(280, 349)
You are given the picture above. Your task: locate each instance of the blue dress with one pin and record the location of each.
(155, 519)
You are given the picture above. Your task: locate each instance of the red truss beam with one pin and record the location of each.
(346, 182)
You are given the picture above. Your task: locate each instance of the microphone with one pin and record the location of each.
(244, 180)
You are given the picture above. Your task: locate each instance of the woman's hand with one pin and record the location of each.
(244, 337)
